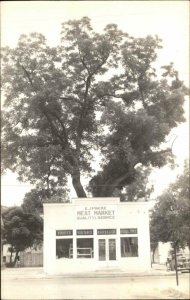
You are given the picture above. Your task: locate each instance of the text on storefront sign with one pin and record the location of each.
(64, 232)
(85, 232)
(96, 212)
(128, 231)
(106, 231)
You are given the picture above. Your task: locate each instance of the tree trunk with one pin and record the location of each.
(16, 257)
(176, 268)
(153, 253)
(11, 256)
(109, 187)
(78, 186)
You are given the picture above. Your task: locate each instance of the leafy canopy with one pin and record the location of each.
(21, 230)
(92, 92)
(170, 220)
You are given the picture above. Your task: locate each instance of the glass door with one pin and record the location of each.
(107, 249)
(112, 249)
(102, 249)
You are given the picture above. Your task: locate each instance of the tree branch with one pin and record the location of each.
(141, 93)
(49, 172)
(27, 75)
(85, 103)
(71, 98)
(63, 141)
(40, 143)
(109, 186)
(62, 126)
(53, 127)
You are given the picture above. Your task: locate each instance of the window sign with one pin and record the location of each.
(104, 212)
(64, 232)
(128, 231)
(106, 231)
(85, 232)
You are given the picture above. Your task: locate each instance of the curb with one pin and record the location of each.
(79, 275)
(39, 274)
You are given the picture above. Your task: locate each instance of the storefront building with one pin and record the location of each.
(91, 234)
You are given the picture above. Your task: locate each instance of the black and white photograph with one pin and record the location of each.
(95, 150)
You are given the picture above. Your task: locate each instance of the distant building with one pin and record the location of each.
(96, 233)
(163, 250)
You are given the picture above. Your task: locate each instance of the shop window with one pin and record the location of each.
(64, 248)
(85, 248)
(129, 246)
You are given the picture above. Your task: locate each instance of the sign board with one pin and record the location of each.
(128, 231)
(64, 232)
(85, 232)
(106, 231)
(103, 212)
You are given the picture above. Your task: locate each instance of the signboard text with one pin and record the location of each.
(96, 212)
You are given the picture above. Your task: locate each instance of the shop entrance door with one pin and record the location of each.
(107, 250)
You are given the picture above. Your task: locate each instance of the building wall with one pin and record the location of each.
(6, 254)
(163, 251)
(62, 216)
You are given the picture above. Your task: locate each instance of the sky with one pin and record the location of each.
(167, 19)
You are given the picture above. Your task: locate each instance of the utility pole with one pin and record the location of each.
(176, 269)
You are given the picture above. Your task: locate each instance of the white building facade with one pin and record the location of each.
(91, 234)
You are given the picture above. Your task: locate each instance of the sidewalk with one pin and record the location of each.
(37, 272)
(155, 284)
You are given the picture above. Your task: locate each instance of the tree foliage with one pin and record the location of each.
(170, 220)
(33, 200)
(93, 91)
(21, 230)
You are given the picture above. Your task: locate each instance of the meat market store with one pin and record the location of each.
(96, 233)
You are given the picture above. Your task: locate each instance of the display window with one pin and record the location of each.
(85, 248)
(64, 248)
(129, 246)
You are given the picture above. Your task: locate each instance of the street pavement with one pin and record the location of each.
(32, 283)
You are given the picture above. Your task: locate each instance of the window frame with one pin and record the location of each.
(128, 236)
(87, 255)
(64, 238)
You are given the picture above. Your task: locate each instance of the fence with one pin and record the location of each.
(30, 259)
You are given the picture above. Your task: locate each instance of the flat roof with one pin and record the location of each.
(97, 201)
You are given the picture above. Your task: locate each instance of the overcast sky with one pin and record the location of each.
(167, 19)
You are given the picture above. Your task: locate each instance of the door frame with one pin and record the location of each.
(107, 262)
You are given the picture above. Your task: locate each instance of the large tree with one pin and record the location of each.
(93, 92)
(170, 219)
(33, 200)
(21, 230)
